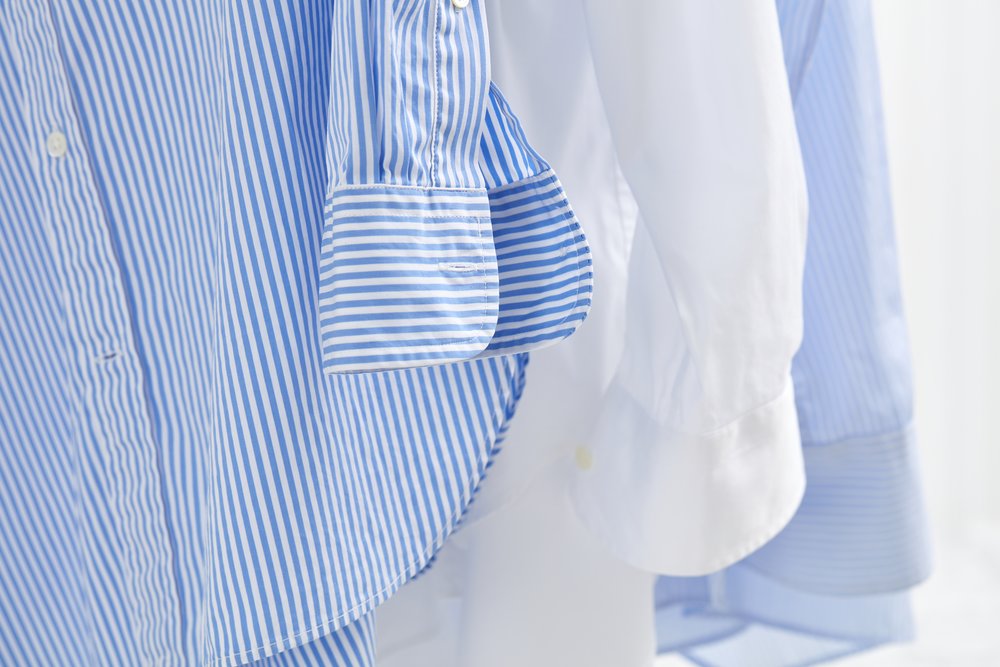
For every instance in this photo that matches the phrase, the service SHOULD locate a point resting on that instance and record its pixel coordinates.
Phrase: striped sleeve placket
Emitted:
(427, 166)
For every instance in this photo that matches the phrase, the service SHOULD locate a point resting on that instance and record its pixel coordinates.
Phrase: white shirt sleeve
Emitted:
(696, 455)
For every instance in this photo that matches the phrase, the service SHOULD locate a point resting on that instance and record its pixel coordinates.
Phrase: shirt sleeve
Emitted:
(698, 459)
(408, 267)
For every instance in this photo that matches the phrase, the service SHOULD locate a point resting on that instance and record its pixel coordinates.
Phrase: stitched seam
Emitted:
(486, 292)
(436, 111)
(431, 189)
(424, 217)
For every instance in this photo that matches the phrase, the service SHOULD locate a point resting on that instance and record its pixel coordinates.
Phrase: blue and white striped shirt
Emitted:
(212, 214)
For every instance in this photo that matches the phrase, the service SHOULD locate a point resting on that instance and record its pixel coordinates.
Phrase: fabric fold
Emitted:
(546, 277)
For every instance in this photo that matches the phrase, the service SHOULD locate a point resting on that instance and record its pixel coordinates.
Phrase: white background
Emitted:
(940, 63)
(941, 81)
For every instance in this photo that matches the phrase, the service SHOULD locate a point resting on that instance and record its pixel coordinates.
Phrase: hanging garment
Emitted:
(835, 579)
(209, 211)
(673, 131)
(695, 322)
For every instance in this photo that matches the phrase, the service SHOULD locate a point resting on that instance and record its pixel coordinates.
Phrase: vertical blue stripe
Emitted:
(180, 480)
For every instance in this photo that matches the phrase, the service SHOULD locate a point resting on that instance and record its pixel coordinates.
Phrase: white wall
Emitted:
(941, 80)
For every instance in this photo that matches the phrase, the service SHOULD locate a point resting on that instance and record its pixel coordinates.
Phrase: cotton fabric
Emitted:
(186, 474)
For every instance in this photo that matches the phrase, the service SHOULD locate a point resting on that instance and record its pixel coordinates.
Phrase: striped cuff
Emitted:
(408, 277)
(862, 526)
(546, 276)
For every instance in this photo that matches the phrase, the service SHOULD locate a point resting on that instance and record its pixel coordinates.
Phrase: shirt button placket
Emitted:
(114, 423)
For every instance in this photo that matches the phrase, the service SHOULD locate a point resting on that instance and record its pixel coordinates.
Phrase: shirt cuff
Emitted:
(546, 276)
(688, 504)
(408, 277)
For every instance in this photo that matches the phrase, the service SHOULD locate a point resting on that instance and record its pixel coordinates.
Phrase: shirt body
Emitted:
(187, 473)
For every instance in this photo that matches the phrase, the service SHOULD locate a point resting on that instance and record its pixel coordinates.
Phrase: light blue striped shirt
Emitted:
(212, 214)
(836, 579)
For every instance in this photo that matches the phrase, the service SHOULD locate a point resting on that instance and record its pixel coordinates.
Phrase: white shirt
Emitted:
(672, 128)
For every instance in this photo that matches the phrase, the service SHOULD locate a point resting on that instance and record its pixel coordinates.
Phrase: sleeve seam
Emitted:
(392, 186)
(436, 111)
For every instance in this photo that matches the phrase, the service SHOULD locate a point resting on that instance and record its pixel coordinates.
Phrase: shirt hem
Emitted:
(415, 567)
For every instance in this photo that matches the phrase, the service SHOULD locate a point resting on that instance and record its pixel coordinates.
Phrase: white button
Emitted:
(460, 4)
(584, 458)
(55, 144)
